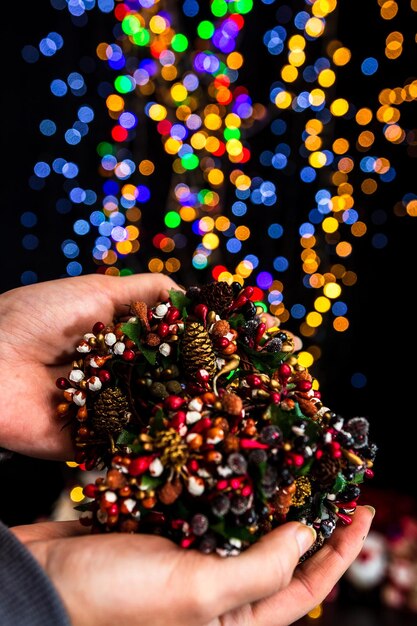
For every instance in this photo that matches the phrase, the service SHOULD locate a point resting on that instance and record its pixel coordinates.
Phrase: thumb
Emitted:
(148, 287)
(263, 569)
(49, 530)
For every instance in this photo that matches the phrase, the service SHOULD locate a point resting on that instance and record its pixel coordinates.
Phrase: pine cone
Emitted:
(217, 296)
(197, 350)
(111, 412)
(325, 470)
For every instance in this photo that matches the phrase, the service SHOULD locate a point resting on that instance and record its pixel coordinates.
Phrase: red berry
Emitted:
(128, 355)
(163, 329)
(172, 403)
(247, 292)
(104, 376)
(90, 491)
(223, 342)
(140, 465)
(304, 385)
(202, 376)
(98, 327)
(285, 370)
(201, 311)
(113, 510)
(241, 300)
(254, 380)
(173, 315)
(275, 397)
(62, 383)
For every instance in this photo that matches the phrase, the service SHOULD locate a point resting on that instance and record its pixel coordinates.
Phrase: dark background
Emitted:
(381, 342)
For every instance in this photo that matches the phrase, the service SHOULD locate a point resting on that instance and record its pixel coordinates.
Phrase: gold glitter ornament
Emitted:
(302, 491)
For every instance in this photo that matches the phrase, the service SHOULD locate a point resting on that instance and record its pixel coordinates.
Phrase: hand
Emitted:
(39, 328)
(138, 580)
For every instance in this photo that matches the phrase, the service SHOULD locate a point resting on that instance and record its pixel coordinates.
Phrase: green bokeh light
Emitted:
(219, 8)
(172, 219)
(231, 133)
(124, 84)
(179, 42)
(205, 29)
(190, 161)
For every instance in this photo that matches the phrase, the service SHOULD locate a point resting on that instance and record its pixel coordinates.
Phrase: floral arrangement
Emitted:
(211, 432)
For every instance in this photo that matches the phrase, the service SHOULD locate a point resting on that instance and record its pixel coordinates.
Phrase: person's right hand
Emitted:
(143, 580)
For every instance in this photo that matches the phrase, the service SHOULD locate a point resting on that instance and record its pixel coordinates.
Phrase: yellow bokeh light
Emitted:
(198, 141)
(212, 121)
(71, 464)
(316, 281)
(326, 78)
(296, 57)
(330, 225)
(283, 99)
(212, 144)
(211, 241)
(305, 359)
(124, 247)
(314, 319)
(315, 27)
(206, 224)
(244, 269)
(155, 265)
(76, 494)
(322, 304)
(296, 42)
(332, 290)
(289, 73)
(316, 97)
(132, 232)
(225, 277)
(313, 142)
(172, 145)
(341, 56)
(317, 159)
(157, 24)
(222, 223)
(234, 147)
(178, 92)
(243, 182)
(169, 72)
(157, 112)
(339, 107)
(215, 176)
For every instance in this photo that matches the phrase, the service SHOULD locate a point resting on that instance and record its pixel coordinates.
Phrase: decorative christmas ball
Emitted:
(207, 428)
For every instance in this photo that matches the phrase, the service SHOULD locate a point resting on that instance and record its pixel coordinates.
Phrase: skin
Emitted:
(138, 580)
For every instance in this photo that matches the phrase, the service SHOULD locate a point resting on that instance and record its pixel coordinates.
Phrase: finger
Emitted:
(316, 577)
(49, 530)
(260, 571)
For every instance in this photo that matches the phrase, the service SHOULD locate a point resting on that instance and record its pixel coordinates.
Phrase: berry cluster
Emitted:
(211, 431)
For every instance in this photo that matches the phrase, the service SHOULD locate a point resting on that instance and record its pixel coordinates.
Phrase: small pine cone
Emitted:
(325, 470)
(170, 492)
(140, 309)
(232, 404)
(217, 296)
(152, 339)
(309, 409)
(111, 412)
(197, 350)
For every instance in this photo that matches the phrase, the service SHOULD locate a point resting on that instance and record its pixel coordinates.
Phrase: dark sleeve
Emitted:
(27, 596)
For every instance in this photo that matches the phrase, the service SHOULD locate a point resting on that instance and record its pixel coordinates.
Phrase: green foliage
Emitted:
(180, 301)
(132, 330)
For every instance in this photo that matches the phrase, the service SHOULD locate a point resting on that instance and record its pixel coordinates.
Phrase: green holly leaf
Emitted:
(132, 330)
(84, 507)
(339, 484)
(148, 353)
(232, 532)
(358, 478)
(150, 482)
(126, 437)
(179, 300)
(264, 361)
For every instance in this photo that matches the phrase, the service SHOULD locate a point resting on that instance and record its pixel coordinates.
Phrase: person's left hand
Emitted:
(39, 327)
(138, 580)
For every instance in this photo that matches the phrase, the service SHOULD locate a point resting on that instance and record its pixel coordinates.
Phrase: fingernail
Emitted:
(305, 536)
(371, 509)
